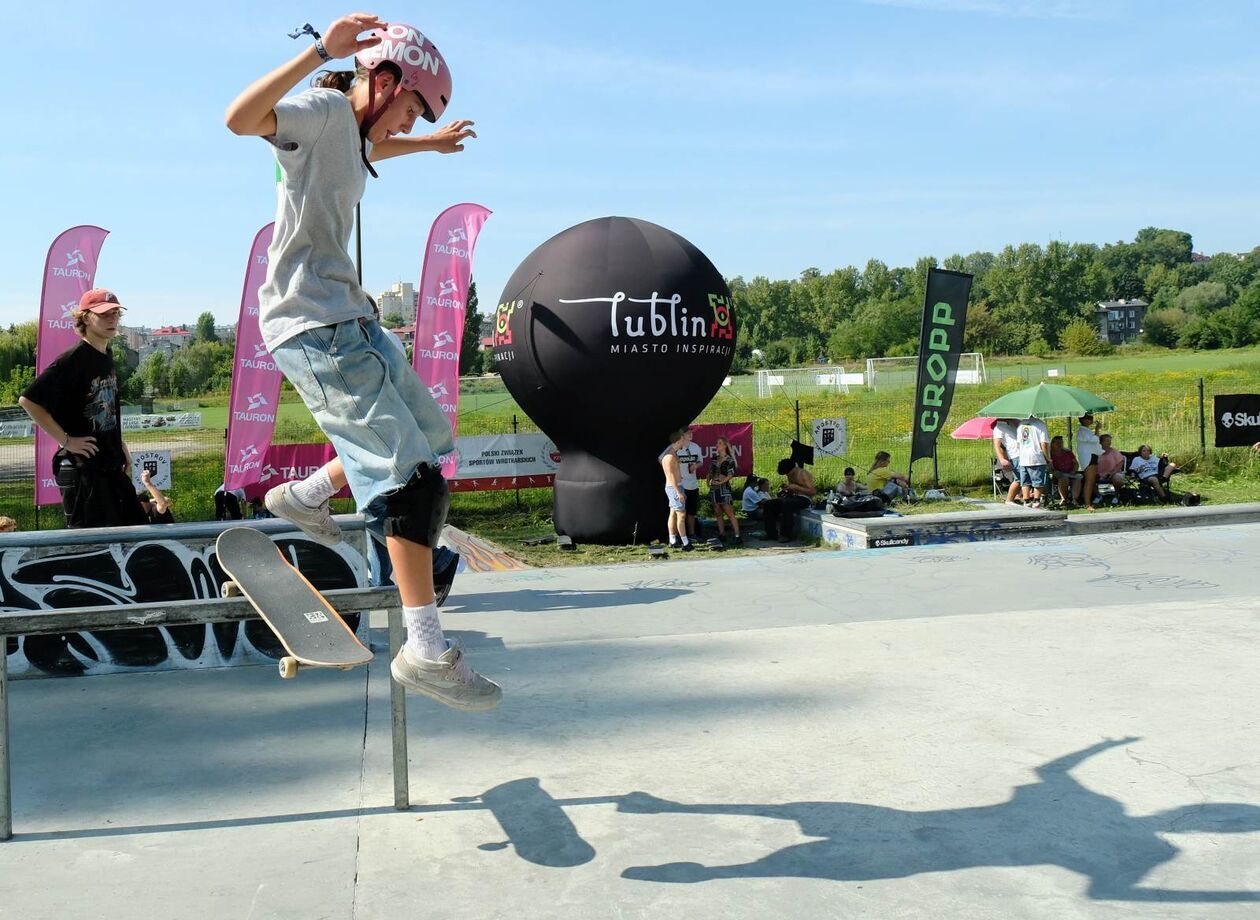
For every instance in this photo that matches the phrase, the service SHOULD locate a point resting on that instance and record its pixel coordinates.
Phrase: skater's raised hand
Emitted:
(342, 37)
(450, 138)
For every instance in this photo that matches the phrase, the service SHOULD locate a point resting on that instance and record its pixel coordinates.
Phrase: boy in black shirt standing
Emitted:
(75, 401)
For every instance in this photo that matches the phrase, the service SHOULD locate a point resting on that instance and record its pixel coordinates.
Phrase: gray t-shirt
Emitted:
(311, 279)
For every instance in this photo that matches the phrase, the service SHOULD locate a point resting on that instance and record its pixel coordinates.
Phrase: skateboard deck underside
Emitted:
(306, 625)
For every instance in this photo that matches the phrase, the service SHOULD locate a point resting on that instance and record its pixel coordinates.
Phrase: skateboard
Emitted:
(657, 551)
(311, 631)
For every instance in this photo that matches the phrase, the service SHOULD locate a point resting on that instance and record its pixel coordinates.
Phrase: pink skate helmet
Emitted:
(421, 64)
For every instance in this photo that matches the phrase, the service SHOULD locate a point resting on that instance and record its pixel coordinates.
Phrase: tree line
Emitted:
(1026, 299)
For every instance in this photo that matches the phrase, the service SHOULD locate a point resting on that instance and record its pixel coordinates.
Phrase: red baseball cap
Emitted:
(99, 300)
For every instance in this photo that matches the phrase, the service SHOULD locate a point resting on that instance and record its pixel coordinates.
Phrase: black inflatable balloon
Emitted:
(611, 335)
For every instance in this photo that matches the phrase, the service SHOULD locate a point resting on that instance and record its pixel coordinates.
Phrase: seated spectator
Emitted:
(1065, 471)
(7, 524)
(1110, 465)
(156, 506)
(1152, 470)
(756, 493)
(850, 486)
(883, 480)
(258, 511)
(794, 495)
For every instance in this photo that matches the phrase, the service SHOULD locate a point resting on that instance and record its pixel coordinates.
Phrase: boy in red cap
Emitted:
(75, 401)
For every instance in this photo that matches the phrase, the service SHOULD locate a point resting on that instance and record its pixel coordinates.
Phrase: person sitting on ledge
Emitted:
(884, 481)
(849, 486)
(794, 495)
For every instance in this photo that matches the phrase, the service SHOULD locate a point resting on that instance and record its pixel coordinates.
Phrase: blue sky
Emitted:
(773, 136)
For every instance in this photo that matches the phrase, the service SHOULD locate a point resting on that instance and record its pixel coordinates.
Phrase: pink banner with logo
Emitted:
(69, 272)
(441, 306)
(255, 380)
(739, 434)
(290, 462)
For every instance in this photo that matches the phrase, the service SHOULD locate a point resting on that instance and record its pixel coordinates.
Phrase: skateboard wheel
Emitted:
(230, 589)
(288, 668)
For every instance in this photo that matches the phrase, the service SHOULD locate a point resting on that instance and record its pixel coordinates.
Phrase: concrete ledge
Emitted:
(1002, 522)
(997, 522)
(1162, 516)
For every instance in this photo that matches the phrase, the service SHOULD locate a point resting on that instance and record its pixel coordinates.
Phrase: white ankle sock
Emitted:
(314, 490)
(685, 541)
(424, 632)
(673, 539)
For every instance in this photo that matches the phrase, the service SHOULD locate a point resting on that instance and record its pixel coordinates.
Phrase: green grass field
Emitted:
(1156, 397)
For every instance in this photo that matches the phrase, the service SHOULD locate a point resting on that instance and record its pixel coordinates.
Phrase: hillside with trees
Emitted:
(1027, 299)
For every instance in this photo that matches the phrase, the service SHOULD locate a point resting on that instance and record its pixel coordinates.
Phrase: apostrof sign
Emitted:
(1237, 419)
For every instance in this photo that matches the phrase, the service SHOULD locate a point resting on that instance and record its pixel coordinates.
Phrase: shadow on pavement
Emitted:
(1055, 822)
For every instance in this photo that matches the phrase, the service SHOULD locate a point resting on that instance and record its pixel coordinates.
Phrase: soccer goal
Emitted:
(803, 381)
(886, 373)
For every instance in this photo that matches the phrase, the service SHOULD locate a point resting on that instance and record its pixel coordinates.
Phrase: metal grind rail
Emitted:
(182, 613)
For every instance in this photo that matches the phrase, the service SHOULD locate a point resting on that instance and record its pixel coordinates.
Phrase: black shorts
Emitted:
(1093, 461)
(691, 498)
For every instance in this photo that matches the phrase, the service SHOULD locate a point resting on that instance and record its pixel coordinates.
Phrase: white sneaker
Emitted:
(316, 523)
(450, 679)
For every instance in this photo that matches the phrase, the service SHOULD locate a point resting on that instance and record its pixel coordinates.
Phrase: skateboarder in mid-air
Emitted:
(322, 329)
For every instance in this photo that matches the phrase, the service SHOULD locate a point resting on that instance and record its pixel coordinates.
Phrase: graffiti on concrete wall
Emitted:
(154, 571)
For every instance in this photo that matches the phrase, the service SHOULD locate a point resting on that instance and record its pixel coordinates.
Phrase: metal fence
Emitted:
(1170, 411)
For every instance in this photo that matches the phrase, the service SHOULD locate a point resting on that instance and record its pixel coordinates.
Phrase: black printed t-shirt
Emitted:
(80, 390)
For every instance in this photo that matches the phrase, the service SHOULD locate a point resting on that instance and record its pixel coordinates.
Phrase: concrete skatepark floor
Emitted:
(1050, 728)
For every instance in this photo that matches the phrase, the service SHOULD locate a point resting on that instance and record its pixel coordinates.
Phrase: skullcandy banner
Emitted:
(1237, 419)
(288, 462)
(255, 380)
(441, 306)
(69, 272)
(940, 343)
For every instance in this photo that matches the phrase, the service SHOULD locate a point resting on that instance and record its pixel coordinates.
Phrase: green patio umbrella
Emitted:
(1046, 400)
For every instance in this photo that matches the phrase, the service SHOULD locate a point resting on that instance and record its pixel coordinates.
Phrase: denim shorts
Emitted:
(1033, 476)
(364, 395)
(676, 501)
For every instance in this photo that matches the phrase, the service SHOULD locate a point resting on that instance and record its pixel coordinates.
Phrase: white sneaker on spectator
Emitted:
(450, 679)
(317, 523)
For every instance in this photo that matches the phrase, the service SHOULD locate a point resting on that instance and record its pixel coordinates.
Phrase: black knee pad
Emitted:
(417, 511)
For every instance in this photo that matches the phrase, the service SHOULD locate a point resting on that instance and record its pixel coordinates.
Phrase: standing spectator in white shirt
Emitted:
(1034, 459)
(689, 458)
(1006, 449)
(1088, 450)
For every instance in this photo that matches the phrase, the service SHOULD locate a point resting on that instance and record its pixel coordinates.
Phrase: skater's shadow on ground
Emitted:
(541, 600)
(1053, 822)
